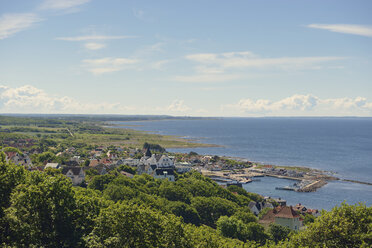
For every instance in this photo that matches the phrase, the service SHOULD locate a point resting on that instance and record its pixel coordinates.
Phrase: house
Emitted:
(183, 169)
(164, 173)
(284, 216)
(165, 162)
(18, 159)
(52, 165)
(252, 206)
(131, 161)
(14, 157)
(75, 173)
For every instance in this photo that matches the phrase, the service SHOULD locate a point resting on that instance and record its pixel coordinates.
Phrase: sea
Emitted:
(342, 146)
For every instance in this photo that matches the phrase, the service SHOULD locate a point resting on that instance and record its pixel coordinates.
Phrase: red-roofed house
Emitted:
(284, 216)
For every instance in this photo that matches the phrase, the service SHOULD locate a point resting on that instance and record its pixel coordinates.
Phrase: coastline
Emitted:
(318, 178)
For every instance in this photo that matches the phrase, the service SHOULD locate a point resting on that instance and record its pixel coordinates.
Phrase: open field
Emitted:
(74, 132)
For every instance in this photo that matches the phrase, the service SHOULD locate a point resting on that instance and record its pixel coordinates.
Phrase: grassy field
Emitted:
(74, 132)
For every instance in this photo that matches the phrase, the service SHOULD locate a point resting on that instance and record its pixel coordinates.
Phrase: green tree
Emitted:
(122, 225)
(99, 182)
(10, 176)
(263, 212)
(173, 192)
(232, 228)
(127, 168)
(278, 232)
(245, 216)
(41, 212)
(188, 213)
(308, 219)
(344, 226)
(210, 209)
(45, 157)
(117, 192)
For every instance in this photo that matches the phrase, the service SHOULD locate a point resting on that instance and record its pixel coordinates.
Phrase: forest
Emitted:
(43, 209)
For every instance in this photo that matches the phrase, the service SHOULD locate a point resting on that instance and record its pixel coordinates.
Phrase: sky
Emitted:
(186, 58)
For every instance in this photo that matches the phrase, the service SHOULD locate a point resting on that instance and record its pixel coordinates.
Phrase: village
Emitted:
(162, 165)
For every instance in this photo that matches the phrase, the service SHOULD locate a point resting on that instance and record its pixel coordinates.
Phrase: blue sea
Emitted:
(340, 145)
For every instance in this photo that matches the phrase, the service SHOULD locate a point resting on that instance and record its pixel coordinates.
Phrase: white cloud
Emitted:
(303, 105)
(105, 65)
(248, 59)
(62, 4)
(345, 28)
(14, 23)
(29, 99)
(221, 67)
(95, 37)
(178, 106)
(94, 46)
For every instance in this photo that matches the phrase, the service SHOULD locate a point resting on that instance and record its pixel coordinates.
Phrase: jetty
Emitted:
(312, 186)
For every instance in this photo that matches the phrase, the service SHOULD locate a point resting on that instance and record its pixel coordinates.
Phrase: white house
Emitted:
(284, 216)
(164, 173)
(75, 173)
(165, 162)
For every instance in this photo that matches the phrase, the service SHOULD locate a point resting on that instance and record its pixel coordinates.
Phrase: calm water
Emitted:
(340, 145)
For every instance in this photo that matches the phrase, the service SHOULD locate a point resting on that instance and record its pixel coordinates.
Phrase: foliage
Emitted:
(127, 168)
(344, 226)
(263, 212)
(278, 232)
(122, 225)
(234, 228)
(246, 216)
(308, 219)
(211, 208)
(41, 212)
(154, 147)
(42, 209)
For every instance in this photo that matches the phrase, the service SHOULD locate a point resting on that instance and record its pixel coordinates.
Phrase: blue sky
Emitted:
(199, 58)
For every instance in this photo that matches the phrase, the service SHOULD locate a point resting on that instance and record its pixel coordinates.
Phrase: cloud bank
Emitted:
(29, 99)
(302, 105)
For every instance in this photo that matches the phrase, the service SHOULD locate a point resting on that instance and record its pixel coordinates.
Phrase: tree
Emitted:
(245, 216)
(10, 176)
(86, 162)
(234, 228)
(45, 157)
(278, 232)
(308, 219)
(127, 168)
(99, 182)
(119, 192)
(231, 227)
(174, 192)
(41, 212)
(256, 232)
(210, 209)
(263, 212)
(344, 226)
(122, 225)
(188, 213)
